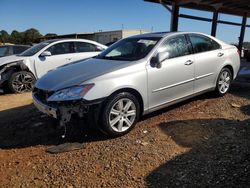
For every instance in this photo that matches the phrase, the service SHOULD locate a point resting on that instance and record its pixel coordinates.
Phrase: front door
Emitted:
(175, 78)
(61, 54)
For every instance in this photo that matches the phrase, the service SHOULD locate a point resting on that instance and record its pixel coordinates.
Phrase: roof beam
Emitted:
(209, 20)
(242, 31)
(233, 7)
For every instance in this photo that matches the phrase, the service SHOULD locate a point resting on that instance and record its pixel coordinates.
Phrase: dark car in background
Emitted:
(7, 50)
(247, 54)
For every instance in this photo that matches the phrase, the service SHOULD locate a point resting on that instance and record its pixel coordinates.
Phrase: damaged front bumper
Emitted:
(2, 77)
(63, 111)
(45, 108)
(7, 70)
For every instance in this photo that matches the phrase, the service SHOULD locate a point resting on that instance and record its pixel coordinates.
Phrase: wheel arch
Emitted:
(14, 67)
(132, 91)
(15, 72)
(230, 67)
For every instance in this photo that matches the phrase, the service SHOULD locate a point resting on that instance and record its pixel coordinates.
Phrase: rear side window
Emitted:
(87, 47)
(61, 48)
(176, 46)
(203, 44)
(19, 49)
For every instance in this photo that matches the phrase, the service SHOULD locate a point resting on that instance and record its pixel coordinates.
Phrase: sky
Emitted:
(77, 16)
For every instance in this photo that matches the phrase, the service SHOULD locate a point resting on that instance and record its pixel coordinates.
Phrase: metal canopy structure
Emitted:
(233, 7)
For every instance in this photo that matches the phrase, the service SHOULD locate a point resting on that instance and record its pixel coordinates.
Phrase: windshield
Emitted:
(34, 49)
(129, 49)
(3, 51)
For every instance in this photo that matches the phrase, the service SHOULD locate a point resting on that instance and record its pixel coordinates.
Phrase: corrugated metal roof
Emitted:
(235, 7)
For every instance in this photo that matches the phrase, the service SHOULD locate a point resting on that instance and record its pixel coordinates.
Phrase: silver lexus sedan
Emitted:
(136, 76)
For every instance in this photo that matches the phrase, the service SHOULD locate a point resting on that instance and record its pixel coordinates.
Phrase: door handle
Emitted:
(189, 62)
(220, 54)
(68, 59)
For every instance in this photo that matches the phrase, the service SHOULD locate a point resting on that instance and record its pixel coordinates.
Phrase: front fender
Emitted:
(107, 85)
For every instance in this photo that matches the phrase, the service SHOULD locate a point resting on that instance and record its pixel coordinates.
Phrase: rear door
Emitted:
(61, 53)
(86, 50)
(175, 78)
(208, 57)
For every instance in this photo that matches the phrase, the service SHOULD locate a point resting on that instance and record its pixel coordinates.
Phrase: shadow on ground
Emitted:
(240, 89)
(25, 126)
(219, 154)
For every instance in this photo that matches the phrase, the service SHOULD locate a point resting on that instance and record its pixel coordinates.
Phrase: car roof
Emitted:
(155, 34)
(8, 45)
(164, 34)
(73, 40)
(68, 39)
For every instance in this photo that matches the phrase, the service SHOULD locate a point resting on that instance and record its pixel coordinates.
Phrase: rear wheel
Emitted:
(21, 82)
(224, 82)
(121, 113)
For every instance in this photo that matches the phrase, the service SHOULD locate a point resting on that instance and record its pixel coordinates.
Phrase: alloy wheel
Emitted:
(23, 82)
(122, 115)
(224, 81)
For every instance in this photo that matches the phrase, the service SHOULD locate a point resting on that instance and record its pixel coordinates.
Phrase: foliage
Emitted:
(4, 36)
(16, 37)
(27, 37)
(246, 45)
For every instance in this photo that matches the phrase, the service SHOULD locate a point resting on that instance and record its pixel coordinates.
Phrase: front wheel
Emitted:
(21, 82)
(224, 82)
(121, 112)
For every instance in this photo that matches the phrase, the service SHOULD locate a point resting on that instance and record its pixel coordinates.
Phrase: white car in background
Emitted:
(19, 72)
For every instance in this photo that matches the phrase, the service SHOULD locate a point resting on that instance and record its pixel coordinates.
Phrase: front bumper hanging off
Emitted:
(51, 111)
(63, 111)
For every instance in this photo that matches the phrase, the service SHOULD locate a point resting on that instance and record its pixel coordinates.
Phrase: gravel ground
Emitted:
(203, 142)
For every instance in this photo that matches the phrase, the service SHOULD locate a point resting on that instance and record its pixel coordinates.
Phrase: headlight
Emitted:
(72, 93)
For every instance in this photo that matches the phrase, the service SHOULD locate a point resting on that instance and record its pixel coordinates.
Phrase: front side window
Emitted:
(130, 49)
(176, 47)
(86, 47)
(203, 44)
(61, 48)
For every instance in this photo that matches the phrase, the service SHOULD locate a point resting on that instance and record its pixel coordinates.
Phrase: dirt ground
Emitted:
(203, 142)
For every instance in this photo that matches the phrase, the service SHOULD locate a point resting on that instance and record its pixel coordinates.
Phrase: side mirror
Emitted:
(45, 54)
(158, 59)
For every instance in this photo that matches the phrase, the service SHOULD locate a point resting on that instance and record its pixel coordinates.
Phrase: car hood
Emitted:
(10, 59)
(76, 74)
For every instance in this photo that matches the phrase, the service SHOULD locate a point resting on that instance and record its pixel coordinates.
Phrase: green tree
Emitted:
(16, 37)
(4, 36)
(32, 36)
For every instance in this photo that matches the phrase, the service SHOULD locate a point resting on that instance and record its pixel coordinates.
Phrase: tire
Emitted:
(21, 82)
(224, 82)
(120, 114)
